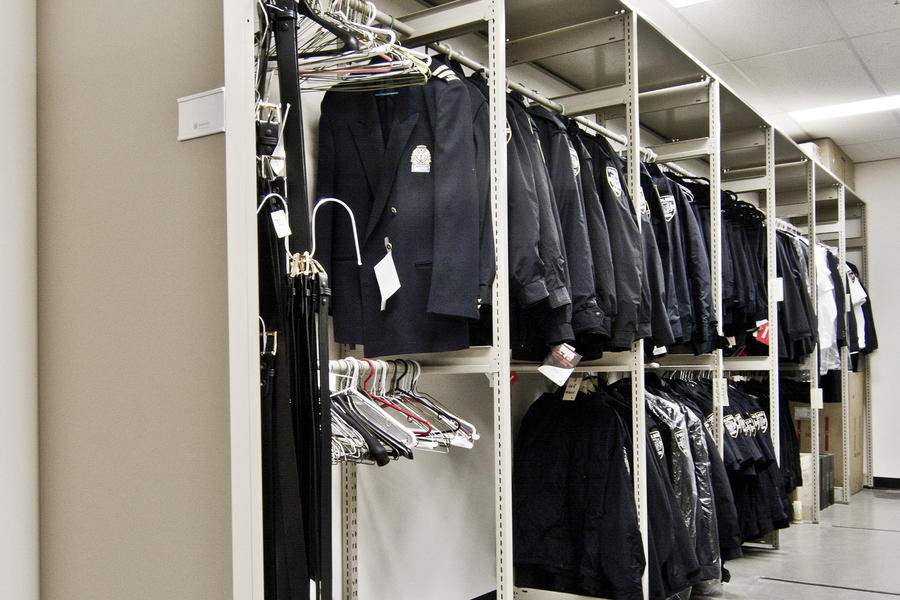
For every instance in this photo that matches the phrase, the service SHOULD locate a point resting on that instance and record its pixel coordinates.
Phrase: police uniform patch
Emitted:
(420, 160)
(612, 176)
(658, 443)
(681, 440)
(576, 164)
(730, 425)
(645, 208)
(668, 206)
(709, 421)
(762, 423)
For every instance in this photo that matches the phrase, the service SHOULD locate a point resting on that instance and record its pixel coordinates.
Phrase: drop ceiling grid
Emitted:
(770, 47)
(862, 17)
(879, 52)
(820, 75)
(744, 29)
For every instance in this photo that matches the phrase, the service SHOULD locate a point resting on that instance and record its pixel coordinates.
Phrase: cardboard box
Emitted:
(830, 154)
(857, 385)
(831, 431)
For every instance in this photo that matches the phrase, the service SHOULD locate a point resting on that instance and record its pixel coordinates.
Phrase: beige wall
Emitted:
(134, 406)
(878, 183)
(19, 574)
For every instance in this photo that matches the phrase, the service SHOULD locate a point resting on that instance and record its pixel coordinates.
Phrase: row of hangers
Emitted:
(338, 44)
(379, 414)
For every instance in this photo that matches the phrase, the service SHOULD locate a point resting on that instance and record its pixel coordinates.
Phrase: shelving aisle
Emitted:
(651, 93)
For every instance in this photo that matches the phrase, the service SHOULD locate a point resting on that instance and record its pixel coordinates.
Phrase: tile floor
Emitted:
(852, 554)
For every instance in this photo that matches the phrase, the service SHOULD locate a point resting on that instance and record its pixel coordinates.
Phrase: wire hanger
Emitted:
(352, 223)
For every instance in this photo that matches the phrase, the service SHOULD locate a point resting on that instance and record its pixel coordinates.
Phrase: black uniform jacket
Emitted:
(404, 161)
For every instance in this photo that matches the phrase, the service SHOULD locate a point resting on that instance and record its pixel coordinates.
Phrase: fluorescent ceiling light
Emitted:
(680, 3)
(848, 109)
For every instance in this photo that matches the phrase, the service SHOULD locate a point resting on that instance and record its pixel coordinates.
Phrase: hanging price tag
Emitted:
(572, 387)
(280, 222)
(386, 275)
(560, 363)
(776, 289)
(720, 386)
(761, 335)
(816, 399)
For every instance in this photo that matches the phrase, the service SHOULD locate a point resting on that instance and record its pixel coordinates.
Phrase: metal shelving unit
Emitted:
(632, 83)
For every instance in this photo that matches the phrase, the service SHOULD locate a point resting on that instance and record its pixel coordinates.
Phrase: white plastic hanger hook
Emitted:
(352, 223)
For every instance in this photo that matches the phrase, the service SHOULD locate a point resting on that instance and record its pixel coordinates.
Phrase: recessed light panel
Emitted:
(680, 3)
(848, 109)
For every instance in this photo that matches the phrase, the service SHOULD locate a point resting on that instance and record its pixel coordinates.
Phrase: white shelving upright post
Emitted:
(773, 284)
(845, 352)
(720, 397)
(866, 362)
(638, 404)
(500, 382)
(813, 361)
(243, 303)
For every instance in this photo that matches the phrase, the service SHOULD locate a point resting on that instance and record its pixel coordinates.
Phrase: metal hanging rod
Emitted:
(754, 170)
(400, 27)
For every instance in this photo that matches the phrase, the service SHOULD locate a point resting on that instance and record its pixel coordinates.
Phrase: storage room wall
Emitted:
(19, 572)
(878, 183)
(134, 401)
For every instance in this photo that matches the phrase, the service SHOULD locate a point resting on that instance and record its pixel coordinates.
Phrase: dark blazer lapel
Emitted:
(393, 154)
(366, 134)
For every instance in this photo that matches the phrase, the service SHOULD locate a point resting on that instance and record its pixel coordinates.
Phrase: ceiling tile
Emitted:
(810, 77)
(858, 129)
(870, 151)
(744, 29)
(859, 17)
(880, 51)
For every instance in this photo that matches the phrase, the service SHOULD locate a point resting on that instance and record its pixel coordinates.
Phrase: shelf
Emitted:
(611, 362)
(748, 363)
(535, 594)
(478, 359)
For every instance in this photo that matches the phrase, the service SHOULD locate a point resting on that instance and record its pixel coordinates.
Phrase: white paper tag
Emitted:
(848, 303)
(721, 388)
(572, 387)
(659, 350)
(388, 280)
(776, 289)
(802, 413)
(280, 222)
(816, 399)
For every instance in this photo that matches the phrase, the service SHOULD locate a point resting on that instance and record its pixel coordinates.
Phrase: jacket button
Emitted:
(393, 210)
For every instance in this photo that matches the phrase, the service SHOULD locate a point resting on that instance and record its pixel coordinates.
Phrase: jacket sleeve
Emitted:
(455, 269)
(697, 261)
(526, 268)
(487, 260)
(598, 234)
